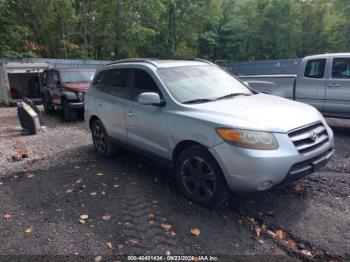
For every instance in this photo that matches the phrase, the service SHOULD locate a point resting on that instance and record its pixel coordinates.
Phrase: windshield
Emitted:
(200, 83)
(77, 76)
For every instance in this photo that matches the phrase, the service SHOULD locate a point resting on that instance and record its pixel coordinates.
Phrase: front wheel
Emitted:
(200, 178)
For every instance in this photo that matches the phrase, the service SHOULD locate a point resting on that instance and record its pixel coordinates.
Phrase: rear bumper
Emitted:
(76, 105)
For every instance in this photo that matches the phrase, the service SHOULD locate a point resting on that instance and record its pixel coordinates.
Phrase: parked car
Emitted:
(64, 89)
(323, 81)
(213, 130)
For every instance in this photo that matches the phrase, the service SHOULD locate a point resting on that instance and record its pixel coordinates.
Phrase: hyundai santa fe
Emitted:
(217, 133)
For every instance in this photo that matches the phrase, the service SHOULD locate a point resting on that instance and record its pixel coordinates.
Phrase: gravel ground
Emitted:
(49, 180)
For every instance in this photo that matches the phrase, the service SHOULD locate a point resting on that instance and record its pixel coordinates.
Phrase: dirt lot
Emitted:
(49, 180)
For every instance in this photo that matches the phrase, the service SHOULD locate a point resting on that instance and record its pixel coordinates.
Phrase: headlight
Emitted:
(248, 139)
(81, 96)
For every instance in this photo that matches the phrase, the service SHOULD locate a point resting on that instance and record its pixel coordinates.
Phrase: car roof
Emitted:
(160, 63)
(328, 55)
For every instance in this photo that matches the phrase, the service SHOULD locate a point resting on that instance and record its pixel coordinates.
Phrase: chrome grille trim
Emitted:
(309, 138)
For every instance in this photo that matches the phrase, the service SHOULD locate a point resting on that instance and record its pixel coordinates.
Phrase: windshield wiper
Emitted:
(231, 95)
(199, 100)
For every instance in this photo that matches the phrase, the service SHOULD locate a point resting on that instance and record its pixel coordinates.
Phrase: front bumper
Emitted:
(248, 170)
(76, 105)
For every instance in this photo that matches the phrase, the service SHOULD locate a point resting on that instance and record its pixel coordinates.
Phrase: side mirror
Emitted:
(150, 98)
(246, 83)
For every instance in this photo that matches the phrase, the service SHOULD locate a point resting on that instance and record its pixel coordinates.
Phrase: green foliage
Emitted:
(212, 29)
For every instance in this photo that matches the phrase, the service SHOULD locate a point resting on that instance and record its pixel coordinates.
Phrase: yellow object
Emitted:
(30, 111)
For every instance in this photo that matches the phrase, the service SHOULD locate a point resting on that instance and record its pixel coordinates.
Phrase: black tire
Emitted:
(47, 104)
(102, 143)
(67, 114)
(200, 178)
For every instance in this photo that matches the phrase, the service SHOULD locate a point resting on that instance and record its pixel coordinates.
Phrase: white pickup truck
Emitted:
(323, 81)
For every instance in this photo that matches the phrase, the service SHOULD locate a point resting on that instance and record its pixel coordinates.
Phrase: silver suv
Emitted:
(217, 133)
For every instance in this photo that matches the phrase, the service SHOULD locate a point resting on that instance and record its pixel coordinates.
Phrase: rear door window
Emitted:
(143, 82)
(341, 68)
(117, 83)
(315, 68)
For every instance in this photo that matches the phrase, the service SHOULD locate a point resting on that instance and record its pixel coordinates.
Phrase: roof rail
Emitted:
(203, 60)
(132, 60)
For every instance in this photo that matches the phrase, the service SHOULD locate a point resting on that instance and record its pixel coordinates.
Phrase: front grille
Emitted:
(308, 138)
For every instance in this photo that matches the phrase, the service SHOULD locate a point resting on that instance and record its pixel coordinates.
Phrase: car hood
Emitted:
(257, 112)
(81, 86)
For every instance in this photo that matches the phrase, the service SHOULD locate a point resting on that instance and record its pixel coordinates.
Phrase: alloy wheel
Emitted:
(198, 178)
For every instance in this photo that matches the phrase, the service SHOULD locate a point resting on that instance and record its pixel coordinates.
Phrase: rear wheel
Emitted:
(200, 178)
(102, 143)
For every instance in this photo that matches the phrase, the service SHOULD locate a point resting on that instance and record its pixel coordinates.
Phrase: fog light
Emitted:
(264, 185)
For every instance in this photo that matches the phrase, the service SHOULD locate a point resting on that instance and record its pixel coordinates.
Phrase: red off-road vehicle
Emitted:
(64, 90)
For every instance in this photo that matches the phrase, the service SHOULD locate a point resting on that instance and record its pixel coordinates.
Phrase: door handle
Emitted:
(333, 85)
(130, 113)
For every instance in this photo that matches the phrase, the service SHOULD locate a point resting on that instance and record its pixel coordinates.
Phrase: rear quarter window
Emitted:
(315, 68)
(99, 80)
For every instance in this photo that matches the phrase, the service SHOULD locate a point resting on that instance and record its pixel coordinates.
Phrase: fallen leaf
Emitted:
(103, 192)
(257, 231)
(172, 232)
(195, 231)
(106, 217)
(263, 226)
(115, 186)
(251, 219)
(98, 259)
(103, 184)
(291, 242)
(7, 216)
(93, 194)
(84, 216)
(109, 245)
(133, 241)
(261, 241)
(271, 233)
(151, 216)
(29, 229)
(298, 188)
(69, 190)
(165, 226)
(120, 247)
(78, 181)
(280, 234)
(306, 253)
(1, 183)
(167, 253)
(29, 175)
(99, 174)
(81, 221)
